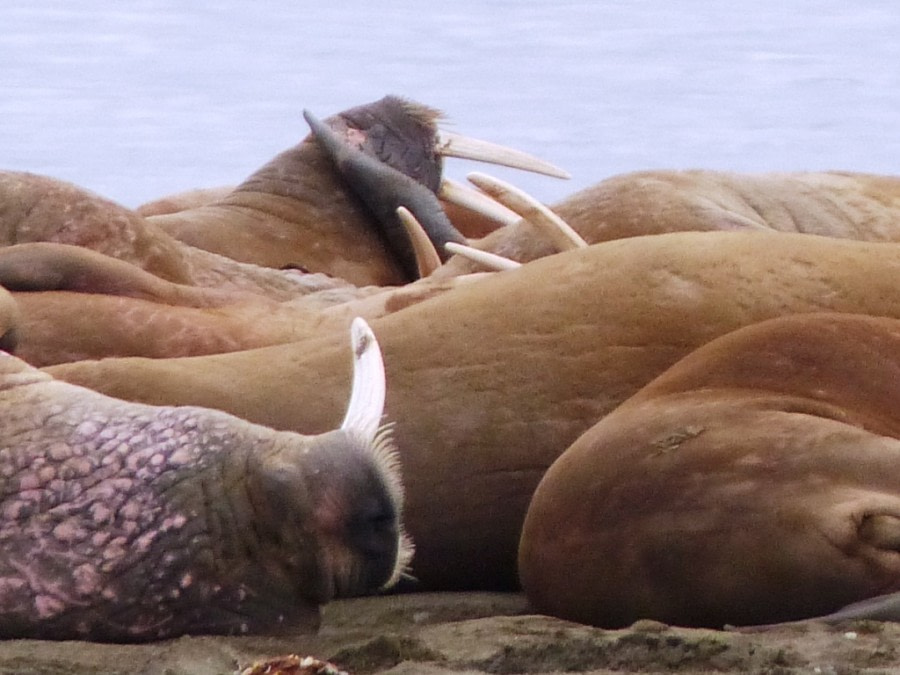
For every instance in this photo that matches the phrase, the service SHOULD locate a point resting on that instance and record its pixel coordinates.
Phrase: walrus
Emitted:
(296, 209)
(755, 481)
(295, 212)
(128, 522)
(38, 209)
(493, 380)
(832, 203)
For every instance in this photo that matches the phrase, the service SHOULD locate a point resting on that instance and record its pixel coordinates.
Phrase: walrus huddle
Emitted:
(680, 408)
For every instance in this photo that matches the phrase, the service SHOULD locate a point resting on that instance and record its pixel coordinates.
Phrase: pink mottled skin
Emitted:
(128, 522)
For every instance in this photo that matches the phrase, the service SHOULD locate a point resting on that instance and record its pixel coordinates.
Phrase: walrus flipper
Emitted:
(384, 189)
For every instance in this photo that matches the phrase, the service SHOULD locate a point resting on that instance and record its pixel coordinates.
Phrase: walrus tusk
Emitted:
(531, 209)
(475, 200)
(449, 144)
(363, 421)
(366, 406)
(427, 258)
(490, 261)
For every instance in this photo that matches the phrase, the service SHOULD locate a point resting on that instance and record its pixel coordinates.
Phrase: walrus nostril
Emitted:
(374, 533)
(374, 530)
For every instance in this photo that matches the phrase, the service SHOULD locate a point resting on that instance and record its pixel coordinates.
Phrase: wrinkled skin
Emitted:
(837, 204)
(186, 199)
(755, 481)
(126, 522)
(491, 382)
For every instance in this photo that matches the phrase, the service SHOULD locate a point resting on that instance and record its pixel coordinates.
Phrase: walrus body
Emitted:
(858, 206)
(186, 199)
(494, 380)
(128, 522)
(38, 209)
(62, 326)
(755, 481)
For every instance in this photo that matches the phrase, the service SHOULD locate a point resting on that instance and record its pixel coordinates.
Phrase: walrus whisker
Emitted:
(539, 215)
(363, 420)
(486, 259)
(450, 144)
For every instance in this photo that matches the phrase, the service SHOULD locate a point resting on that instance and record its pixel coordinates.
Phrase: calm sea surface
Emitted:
(138, 99)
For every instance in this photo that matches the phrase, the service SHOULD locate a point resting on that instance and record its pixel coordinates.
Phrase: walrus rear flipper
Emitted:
(879, 608)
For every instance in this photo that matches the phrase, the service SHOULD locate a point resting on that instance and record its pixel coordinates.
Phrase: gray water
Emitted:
(138, 99)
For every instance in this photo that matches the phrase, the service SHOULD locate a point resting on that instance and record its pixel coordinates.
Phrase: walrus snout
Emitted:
(339, 494)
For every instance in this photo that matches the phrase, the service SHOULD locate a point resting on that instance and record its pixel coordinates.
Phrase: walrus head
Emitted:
(129, 522)
(390, 154)
(342, 490)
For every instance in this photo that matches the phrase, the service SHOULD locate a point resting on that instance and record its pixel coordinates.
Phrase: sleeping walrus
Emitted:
(755, 481)
(127, 522)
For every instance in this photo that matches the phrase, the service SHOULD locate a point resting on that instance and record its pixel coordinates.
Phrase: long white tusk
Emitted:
(491, 261)
(475, 200)
(427, 259)
(367, 395)
(450, 144)
(563, 236)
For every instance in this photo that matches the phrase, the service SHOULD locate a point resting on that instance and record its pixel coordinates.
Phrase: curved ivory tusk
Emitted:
(490, 261)
(427, 259)
(475, 200)
(451, 144)
(539, 215)
(367, 396)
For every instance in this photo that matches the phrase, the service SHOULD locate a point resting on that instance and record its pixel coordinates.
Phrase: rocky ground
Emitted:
(454, 633)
